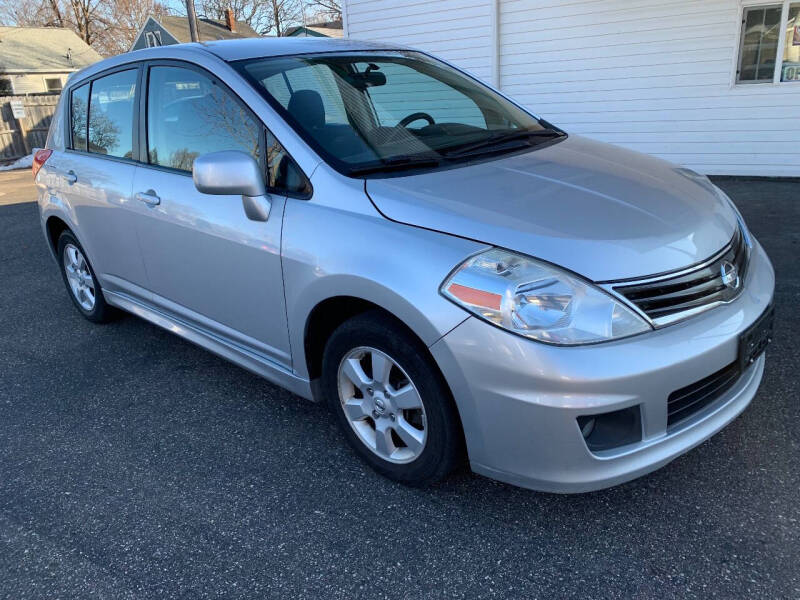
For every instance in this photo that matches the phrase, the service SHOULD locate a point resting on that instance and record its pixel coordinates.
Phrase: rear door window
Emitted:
(111, 112)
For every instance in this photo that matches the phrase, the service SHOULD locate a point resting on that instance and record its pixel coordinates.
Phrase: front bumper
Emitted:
(519, 399)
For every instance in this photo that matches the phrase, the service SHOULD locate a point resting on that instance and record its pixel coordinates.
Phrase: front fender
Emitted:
(329, 252)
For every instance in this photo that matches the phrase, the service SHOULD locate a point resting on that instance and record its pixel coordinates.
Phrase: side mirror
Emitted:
(232, 172)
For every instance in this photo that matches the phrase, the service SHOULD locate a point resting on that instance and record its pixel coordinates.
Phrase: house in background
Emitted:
(711, 85)
(175, 30)
(332, 29)
(36, 60)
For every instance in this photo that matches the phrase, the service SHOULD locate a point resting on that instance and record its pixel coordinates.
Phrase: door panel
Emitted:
(95, 186)
(206, 262)
(209, 264)
(100, 198)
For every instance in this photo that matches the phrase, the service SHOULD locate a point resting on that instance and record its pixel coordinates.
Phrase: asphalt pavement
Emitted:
(136, 465)
(16, 186)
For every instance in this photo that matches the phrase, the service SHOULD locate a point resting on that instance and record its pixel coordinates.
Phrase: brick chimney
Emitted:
(230, 22)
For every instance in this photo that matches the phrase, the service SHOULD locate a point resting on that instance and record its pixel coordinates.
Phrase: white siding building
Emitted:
(709, 84)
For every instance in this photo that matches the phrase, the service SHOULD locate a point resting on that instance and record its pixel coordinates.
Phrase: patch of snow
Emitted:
(26, 162)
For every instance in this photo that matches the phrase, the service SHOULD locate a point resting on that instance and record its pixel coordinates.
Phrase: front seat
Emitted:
(306, 108)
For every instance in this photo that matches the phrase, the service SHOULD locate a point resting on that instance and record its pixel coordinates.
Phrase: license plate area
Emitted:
(755, 339)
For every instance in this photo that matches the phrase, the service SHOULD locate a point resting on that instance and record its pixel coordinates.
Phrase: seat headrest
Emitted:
(307, 108)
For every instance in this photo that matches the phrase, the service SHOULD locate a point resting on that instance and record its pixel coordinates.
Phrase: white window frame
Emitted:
(155, 36)
(776, 75)
(47, 88)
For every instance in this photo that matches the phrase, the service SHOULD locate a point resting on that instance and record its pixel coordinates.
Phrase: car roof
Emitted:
(240, 49)
(230, 50)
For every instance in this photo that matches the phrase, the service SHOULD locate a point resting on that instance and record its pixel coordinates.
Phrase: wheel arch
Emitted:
(54, 226)
(328, 314)
(323, 320)
(56, 220)
(327, 302)
(328, 311)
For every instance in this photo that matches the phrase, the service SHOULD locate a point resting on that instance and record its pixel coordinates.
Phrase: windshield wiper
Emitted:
(500, 141)
(397, 163)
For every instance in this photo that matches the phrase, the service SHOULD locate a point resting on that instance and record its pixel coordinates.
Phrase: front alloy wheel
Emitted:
(390, 399)
(382, 405)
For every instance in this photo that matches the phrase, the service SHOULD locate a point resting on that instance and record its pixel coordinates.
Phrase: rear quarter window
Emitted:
(78, 110)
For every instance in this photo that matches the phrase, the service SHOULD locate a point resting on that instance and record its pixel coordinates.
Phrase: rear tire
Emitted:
(82, 286)
(390, 400)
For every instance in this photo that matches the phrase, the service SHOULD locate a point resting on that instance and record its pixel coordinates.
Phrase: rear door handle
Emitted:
(68, 175)
(149, 197)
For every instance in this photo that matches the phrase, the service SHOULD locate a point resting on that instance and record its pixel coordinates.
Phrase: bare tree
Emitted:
(326, 10)
(128, 18)
(109, 26)
(43, 13)
(264, 16)
(285, 13)
(88, 18)
(251, 12)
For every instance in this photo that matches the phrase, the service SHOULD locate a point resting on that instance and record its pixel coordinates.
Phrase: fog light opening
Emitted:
(610, 430)
(588, 427)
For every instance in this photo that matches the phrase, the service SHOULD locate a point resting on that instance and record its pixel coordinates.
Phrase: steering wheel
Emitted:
(415, 116)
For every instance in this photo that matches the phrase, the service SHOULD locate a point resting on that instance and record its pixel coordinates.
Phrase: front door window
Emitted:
(189, 114)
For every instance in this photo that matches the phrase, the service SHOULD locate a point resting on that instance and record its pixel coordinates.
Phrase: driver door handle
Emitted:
(149, 197)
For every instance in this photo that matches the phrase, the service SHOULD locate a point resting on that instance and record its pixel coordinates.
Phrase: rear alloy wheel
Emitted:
(82, 285)
(79, 278)
(391, 402)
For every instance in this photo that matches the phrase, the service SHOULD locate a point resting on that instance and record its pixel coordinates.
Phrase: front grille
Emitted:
(687, 401)
(665, 298)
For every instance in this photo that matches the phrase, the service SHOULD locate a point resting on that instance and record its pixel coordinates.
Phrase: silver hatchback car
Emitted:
(369, 226)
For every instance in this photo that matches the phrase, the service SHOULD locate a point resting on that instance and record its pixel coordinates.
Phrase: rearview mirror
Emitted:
(367, 80)
(232, 172)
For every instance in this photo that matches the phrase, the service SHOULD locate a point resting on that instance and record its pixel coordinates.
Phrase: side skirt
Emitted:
(235, 353)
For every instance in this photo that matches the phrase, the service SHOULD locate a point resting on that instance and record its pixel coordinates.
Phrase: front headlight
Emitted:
(539, 301)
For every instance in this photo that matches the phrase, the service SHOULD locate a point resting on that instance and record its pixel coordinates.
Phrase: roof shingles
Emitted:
(209, 30)
(43, 50)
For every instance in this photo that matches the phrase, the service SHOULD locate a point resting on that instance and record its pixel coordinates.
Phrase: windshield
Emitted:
(382, 112)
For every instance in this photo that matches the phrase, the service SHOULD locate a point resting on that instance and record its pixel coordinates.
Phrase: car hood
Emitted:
(602, 211)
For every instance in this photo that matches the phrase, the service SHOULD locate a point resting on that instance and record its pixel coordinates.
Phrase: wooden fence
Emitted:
(18, 137)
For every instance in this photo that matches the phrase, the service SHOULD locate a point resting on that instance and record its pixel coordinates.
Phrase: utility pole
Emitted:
(192, 16)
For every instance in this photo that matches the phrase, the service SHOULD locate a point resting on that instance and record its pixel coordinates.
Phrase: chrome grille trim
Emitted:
(671, 297)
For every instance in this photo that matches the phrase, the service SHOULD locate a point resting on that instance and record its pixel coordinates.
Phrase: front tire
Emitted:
(82, 286)
(392, 404)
